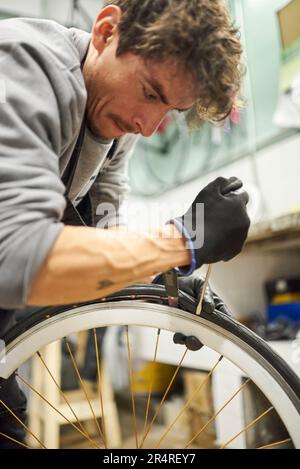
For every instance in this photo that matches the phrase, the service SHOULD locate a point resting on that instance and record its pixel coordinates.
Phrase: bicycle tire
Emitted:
(156, 295)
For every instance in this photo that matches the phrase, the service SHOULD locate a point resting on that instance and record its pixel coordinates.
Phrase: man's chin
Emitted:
(99, 134)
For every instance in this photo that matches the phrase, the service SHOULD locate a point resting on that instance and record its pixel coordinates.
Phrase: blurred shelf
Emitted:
(282, 233)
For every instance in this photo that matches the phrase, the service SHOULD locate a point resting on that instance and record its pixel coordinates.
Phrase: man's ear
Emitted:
(105, 26)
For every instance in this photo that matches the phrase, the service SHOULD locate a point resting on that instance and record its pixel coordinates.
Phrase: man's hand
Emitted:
(193, 286)
(226, 222)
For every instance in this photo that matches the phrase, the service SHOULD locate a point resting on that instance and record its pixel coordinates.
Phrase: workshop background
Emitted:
(260, 145)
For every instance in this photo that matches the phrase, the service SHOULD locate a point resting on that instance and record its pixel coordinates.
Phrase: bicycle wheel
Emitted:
(147, 306)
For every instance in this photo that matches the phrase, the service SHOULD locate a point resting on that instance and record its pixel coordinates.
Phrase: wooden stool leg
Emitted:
(52, 357)
(112, 423)
(51, 432)
(34, 402)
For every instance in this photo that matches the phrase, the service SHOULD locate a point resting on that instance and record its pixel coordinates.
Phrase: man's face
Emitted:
(127, 95)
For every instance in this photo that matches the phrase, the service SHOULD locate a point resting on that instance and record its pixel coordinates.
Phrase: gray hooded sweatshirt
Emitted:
(42, 104)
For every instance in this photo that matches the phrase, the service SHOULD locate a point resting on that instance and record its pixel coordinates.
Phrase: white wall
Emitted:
(240, 282)
(29, 7)
(272, 176)
(53, 9)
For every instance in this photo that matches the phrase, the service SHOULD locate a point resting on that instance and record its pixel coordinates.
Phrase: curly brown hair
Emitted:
(200, 35)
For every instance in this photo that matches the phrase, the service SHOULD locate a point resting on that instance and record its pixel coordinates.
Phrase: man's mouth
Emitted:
(119, 127)
(123, 127)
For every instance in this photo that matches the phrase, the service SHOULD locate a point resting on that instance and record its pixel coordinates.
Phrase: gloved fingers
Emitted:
(193, 286)
(221, 306)
(223, 309)
(216, 186)
(190, 285)
(241, 197)
(231, 185)
(208, 304)
(232, 188)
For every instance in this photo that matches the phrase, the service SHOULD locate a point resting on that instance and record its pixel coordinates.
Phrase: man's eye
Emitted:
(150, 96)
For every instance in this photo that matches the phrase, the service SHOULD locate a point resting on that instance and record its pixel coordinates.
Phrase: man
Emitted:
(74, 106)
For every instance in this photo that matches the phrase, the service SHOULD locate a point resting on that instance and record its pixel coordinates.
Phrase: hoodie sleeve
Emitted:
(31, 193)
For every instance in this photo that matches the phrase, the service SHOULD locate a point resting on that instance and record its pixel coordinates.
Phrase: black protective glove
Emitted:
(193, 286)
(226, 222)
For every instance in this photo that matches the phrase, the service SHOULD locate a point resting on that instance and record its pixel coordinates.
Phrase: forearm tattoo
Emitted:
(104, 284)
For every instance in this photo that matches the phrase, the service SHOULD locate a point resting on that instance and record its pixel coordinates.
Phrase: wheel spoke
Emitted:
(59, 412)
(272, 445)
(163, 398)
(64, 397)
(217, 413)
(247, 427)
(23, 424)
(15, 441)
(84, 388)
(100, 386)
(186, 405)
(131, 387)
(152, 380)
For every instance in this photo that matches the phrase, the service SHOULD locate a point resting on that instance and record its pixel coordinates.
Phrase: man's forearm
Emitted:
(86, 263)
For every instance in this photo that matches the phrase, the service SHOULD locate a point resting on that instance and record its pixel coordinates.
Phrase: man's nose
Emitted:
(148, 124)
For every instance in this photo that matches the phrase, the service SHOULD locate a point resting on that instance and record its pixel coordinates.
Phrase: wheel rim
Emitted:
(166, 318)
